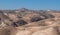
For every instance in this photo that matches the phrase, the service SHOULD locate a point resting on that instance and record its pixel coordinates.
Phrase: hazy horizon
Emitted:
(30, 4)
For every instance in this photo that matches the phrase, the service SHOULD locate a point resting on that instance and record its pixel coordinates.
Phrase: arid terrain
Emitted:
(29, 22)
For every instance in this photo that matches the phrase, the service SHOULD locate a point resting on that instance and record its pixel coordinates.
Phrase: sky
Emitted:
(30, 4)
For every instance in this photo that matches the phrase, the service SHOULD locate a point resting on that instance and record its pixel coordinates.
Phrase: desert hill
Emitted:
(29, 22)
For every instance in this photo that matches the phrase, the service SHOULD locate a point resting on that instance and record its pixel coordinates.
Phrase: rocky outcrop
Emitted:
(19, 23)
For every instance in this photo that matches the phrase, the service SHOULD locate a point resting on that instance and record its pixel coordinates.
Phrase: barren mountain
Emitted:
(29, 22)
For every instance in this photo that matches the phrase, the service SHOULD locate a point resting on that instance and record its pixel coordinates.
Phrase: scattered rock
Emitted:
(19, 23)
